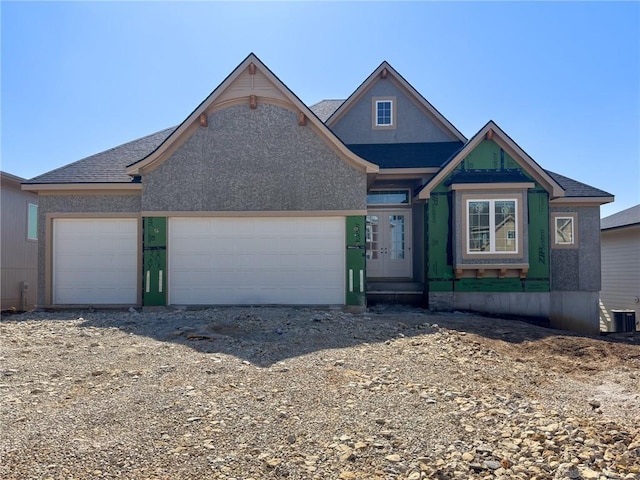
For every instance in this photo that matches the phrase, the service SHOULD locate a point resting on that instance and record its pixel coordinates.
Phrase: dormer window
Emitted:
(384, 116)
(384, 113)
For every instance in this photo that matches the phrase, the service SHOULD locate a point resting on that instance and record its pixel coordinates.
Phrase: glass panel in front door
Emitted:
(396, 234)
(373, 236)
(374, 246)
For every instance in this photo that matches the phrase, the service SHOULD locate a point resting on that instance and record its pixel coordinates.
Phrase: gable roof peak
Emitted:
(383, 72)
(279, 94)
(491, 131)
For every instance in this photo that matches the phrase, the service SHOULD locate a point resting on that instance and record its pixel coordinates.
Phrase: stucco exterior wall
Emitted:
(254, 160)
(578, 269)
(575, 274)
(413, 125)
(81, 204)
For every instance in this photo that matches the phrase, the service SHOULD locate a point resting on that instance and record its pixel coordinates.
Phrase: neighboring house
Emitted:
(620, 238)
(19, 244)
(256, 198)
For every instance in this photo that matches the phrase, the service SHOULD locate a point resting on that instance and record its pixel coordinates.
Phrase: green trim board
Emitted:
(356, 275)
(154, 260)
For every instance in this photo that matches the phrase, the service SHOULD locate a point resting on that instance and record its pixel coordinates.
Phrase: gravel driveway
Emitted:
(262, 393)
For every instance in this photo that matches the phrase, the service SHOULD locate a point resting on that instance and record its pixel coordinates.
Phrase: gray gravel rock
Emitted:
(240, 393)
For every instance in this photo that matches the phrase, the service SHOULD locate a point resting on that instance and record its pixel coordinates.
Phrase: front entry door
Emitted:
(389, 243)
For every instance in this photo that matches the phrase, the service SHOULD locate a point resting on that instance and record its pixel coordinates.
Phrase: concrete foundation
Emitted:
(509, 304)
(355, 309)
(575, 311)
(441, 301)
(529, 304)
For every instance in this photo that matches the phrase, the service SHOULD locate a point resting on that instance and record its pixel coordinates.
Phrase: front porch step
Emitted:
(395, 292)
(378, 286)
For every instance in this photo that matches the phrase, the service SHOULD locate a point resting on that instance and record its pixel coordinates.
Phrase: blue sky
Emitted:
(562, 79)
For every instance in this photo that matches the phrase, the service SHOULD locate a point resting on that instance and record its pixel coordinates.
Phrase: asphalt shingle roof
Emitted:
(110, 166)
(630, 216)
(406, 155)
(573, 188)
(105, 167)
(325, 108)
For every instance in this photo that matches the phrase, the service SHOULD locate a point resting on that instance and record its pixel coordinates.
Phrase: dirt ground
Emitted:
(251, 393)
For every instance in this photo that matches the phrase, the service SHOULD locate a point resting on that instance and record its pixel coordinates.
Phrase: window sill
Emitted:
(563, 246)
(492, 270)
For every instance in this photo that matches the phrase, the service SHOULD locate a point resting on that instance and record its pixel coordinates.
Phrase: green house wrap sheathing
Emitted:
(487, 160)
(538, 275)
(439, 242)
(154, 260)
(355, 271)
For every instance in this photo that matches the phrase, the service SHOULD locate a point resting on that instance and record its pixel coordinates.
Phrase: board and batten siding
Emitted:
(246, 84)
(620, 271)
(19, 256)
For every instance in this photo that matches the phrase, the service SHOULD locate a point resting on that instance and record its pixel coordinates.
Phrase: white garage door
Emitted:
(252, 261)
(95, 261)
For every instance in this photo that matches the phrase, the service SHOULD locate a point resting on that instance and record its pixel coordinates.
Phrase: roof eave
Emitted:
(583, 200)
(9, 177)
(619, 227)
(79, 186)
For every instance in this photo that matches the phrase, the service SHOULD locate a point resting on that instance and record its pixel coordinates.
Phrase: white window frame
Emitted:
(391, 119)
(558, 239)
(492, 227)
(376, 103)
(33, 236)
(387, 191)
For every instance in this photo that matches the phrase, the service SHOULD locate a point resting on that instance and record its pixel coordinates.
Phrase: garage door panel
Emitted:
(102, 296)
(95, 261)
(256, 261)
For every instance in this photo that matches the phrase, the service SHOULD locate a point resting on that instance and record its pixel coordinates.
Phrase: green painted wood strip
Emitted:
(356, 275)
(154, 259)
